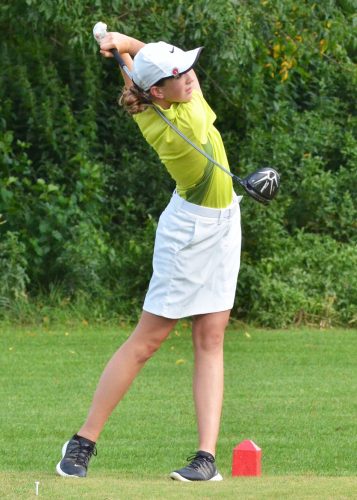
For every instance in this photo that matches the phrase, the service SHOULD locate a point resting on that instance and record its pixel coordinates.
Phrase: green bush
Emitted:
(85, 261)
(134, 268)
(310, 278)
(13, 271)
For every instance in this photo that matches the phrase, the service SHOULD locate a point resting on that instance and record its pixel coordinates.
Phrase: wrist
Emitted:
(124, 44)
(133, 45)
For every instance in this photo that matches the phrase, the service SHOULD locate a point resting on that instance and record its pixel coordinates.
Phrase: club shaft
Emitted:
(121, 63)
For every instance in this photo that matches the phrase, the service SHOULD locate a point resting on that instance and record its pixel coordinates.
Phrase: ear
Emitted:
(157, 92)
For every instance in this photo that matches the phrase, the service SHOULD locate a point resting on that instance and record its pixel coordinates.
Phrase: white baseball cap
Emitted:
(161, 60)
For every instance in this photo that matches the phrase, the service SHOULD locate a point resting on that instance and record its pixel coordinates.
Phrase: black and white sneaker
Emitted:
(76, 454)
(201, 468)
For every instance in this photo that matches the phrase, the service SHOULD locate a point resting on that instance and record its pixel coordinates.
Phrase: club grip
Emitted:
(121, 63)
(118, 58)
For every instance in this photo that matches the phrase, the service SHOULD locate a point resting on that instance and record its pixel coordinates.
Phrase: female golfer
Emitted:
(196, 254)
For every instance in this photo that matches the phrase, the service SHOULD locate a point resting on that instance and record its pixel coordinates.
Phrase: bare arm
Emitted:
(127, 47)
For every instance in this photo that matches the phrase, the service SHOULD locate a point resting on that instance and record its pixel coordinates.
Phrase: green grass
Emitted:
(292, 392)
(111, 486)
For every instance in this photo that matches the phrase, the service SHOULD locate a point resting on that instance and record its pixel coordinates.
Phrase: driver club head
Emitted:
(262, 185)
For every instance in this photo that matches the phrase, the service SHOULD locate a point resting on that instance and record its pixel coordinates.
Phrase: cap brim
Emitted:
(191, 58)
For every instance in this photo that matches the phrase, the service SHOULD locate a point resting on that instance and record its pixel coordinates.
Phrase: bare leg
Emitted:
(123, 367)
(208, 336)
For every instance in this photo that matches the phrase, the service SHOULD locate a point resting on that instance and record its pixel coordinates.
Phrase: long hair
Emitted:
(134, 100)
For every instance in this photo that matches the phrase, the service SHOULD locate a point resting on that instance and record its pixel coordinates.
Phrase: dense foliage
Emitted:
(80, 190)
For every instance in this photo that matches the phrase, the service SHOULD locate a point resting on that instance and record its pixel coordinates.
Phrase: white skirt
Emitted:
(196, 260)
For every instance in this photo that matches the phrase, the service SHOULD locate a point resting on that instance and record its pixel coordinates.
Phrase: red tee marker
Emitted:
(246, 459)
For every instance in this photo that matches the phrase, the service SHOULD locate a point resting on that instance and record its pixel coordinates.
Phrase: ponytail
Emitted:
(134, 100)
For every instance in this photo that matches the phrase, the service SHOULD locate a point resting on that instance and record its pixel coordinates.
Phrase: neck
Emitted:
(162, 103)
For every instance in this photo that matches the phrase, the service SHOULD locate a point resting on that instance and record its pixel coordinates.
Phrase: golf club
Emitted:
(262, 185)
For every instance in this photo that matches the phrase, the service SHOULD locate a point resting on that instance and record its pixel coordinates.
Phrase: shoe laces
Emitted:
(197, 460)
(82, 453)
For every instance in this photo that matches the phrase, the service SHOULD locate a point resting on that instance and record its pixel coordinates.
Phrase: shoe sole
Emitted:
(177, 477)
(58, 466)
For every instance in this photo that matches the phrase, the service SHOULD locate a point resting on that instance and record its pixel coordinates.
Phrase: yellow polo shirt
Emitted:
(197, 179)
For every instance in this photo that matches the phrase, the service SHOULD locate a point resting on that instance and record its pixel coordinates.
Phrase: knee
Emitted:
(208, 333)
(209, 340)
(145, 351)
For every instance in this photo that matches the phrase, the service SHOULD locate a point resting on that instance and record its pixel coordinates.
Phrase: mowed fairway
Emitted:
(293, 392)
